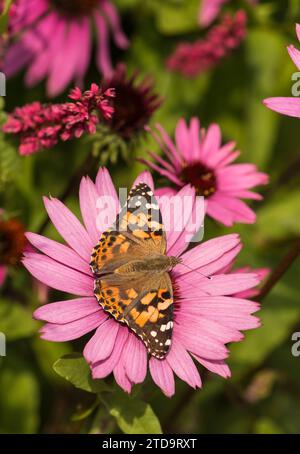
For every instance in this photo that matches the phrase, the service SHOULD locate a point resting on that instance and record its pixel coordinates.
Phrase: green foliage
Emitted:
(230, 94)
(132, 415)
(9, 157)
(75, 369)
(277, 220)
(278, 320)
(15, 320)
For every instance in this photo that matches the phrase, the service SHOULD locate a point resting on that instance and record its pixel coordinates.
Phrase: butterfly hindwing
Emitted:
(144, 304)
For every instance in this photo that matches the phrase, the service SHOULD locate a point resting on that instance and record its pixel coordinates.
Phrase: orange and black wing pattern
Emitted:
(138, 230)
(138, 299)
(144, 304)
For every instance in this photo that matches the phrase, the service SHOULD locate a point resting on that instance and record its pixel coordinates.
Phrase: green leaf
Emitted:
(16, 321)
(75, 369)
(132, 415)
(83, 413)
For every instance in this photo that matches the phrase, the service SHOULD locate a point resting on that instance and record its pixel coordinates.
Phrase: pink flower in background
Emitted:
(40, 126)
(206, 315)
(262, 273)
(289, 106)
(210, 9)
(192, 59)
(12, 244)
(53, 39)
(199, 158)
(3, 272)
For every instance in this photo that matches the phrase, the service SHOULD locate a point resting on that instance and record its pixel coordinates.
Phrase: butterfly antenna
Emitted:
(195, 271)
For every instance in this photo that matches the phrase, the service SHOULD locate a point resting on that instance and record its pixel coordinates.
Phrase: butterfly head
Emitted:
(174, 261)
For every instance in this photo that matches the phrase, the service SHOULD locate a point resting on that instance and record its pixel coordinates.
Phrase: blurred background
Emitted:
(263, 395)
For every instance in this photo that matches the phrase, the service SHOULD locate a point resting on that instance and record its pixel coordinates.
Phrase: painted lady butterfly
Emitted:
(131, 268)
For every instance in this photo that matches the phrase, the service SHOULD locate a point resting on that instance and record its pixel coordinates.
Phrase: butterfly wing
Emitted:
(137, 231)
(142, 218)
(144, 303)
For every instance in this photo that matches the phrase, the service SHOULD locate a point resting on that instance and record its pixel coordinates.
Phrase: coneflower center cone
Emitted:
(201, 177)
(75, 7)
(12, 242)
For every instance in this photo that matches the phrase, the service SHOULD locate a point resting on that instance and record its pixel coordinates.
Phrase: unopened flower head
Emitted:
(134, 104)
(12, 244)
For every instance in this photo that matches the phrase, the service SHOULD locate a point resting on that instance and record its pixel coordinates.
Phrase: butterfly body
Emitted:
(156, 264)
(131, 268)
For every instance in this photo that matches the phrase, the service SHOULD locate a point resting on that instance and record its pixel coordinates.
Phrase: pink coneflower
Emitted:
(206, 316)
(53, 38)
(41, 126)
(210, 9)
(12, 244)
(12, 241)
(192, 59)
(201, 160)
(262, 273)
(289, 106)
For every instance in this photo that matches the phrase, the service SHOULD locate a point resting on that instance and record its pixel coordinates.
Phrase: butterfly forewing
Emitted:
(138, 230)
(142, 218)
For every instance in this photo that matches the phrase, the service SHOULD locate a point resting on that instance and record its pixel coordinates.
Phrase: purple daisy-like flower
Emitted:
(199, 158)
(53, 39)
(206, 315)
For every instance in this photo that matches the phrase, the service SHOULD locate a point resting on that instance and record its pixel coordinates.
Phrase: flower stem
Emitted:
(280, 270)
(84, 169)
